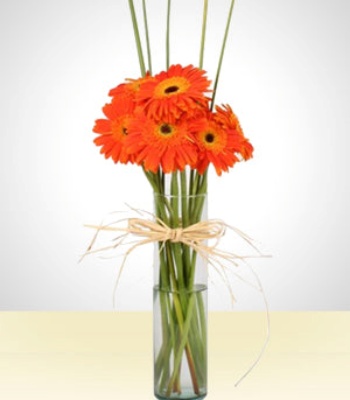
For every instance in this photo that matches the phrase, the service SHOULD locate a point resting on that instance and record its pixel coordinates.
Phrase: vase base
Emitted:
(183, 396)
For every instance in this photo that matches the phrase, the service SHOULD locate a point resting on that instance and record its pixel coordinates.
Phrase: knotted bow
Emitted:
(192, 235)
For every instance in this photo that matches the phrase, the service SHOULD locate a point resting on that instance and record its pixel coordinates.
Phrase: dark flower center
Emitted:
(166, 129)
(125, 131)
(171, 89)
(209, 137)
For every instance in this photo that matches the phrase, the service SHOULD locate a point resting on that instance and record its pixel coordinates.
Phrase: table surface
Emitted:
(108, 355)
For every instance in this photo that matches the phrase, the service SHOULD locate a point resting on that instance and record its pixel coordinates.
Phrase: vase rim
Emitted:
(180, 195)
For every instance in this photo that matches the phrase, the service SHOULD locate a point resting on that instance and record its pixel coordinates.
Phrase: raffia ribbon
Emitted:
(194, 236)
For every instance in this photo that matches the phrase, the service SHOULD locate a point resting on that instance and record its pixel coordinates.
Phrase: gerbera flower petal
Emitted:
(129, 88)
(102, 126)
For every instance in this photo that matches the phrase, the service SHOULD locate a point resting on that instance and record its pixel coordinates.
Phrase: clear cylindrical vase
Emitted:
(180, 303)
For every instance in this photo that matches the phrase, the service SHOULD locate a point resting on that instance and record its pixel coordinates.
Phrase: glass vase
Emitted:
(180, 304)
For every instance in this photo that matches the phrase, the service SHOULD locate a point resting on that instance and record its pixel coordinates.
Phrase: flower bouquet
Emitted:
(168, 124)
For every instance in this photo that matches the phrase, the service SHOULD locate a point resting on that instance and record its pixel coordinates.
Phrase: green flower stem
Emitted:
(137, 38)
(167, 345)
(174, 200)
(193, 270)
(184, 205)
(196, 183)
(174, 284)
(204, 28)
(193, 197)
(183, 344)
(167, 45)
(179, 267)
(191, 190)
(149, 57)
(177, 383)
(197, 344)
(180, 320)
(161, 180)
(162, 363)
(175, 223)
(197, 338)
(152, 179)
(185, 223)
(222, 54)
(201, 338)
(165, 371)
(164, 282)
(160, 206)
(202, 190)
(192, 193)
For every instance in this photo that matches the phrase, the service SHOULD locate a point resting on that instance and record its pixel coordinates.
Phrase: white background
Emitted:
(285, 73)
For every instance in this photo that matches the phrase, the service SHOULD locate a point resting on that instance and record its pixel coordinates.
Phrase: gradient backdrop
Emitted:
(285, 73)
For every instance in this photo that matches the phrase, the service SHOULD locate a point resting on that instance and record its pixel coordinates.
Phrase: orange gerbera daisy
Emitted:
(228, 119)
(172, 92)
(218, 145)
(130, 88)
(114, 130)
(165, 143)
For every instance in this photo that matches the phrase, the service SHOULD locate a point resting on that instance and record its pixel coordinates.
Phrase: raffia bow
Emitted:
(192, 235)
(195, 236)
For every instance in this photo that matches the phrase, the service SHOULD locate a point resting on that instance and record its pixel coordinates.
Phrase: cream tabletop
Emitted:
(108, 355)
